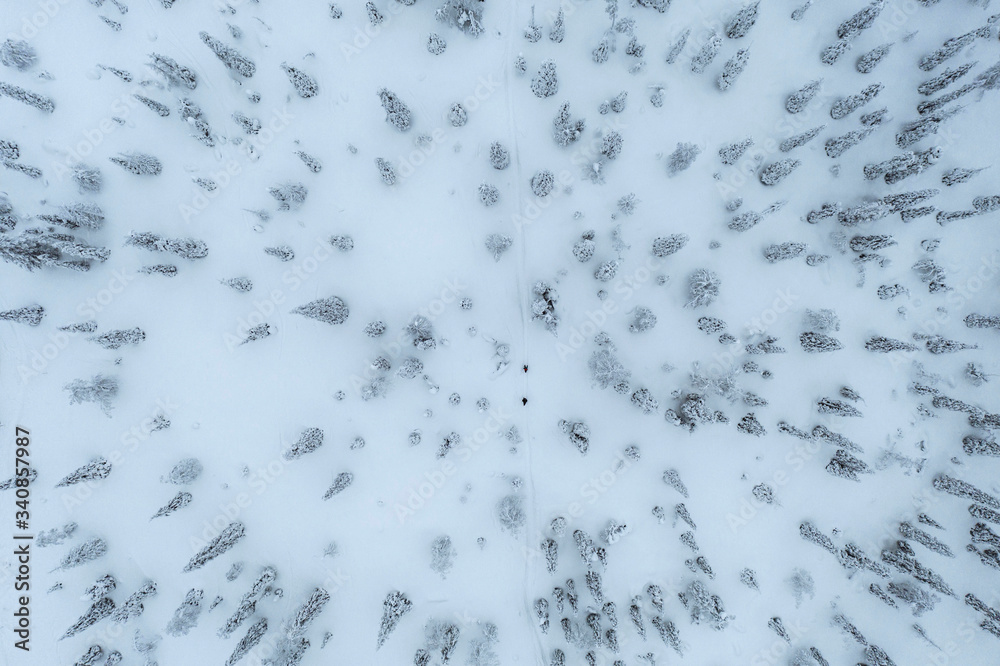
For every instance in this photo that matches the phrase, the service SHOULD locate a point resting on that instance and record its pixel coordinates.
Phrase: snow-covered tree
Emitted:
(132, 606)
(800, 139)
(88, 178)
(305, 85)
(175, 73)
(925, 126)
(733, 68)
(606, 369)
(611, 145)
(511, 514)
(421, 333)
(546, 81)
(543, 307)
(565, 130)
(310, 440)
(741, 23)
(251, 126)
(642, 320)
(385, 170)
(703, 606)
(707, 53)
(499, 156)
(731, 153)
(31, 315)
(952, 47)
(230, 57)
(40, 102)
(558, 31)
(184, 472)
(847, 466)
(867, 62)
(457, 115)
(466, 15)
(442, 555)
(158, 108)
(395, 606)
(331, 310)
(179, 501)
(944, 79)
(677, 46)
(703, 287)
(819, 342)
(397, 113)
(682, 158)
(801, 98)
(100, 389)
(861, 21)
(86, 552)
(832, 53)
(776, 172)
(95, 470)
(139, 164)
(783, 251)
(289, 195)
(75, 216)
(751, 426)
(18, 54)
(99, 610)
(229, 537)
(497, 244)
(489, 195)
(340, 483)
(844, 107)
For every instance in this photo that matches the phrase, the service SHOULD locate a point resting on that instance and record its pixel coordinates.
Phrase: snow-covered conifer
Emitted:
(18, 54)
(546, 82)
(703, 287)
(305, 85)
(682, 158)
(707, 53)
(733, 68)
(741, 23)
(778, 171)
(140, 164)
(395, 606)
(230, 57)
(867, 62)
(229, 537)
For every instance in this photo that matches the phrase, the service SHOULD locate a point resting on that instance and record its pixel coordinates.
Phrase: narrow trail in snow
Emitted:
(522, 282)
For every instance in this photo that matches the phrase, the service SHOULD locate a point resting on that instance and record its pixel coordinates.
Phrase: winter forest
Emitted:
(500, 332)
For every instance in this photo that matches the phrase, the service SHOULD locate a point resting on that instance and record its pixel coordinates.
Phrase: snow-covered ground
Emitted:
(482, 468)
